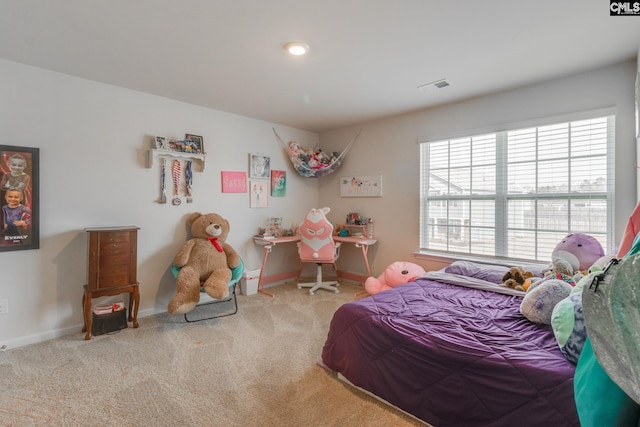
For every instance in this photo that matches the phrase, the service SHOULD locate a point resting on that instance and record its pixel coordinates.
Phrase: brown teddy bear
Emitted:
(517, 278)
(206, 259)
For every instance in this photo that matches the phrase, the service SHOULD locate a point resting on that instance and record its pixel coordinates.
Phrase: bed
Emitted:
(453, 350)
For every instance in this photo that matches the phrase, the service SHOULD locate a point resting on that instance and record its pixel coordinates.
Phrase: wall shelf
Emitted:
(154, 155)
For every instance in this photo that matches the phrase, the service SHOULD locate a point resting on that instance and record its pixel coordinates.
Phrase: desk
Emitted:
(268, 243)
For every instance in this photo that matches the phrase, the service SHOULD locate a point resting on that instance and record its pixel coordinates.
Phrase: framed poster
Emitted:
(278, 183)
(19, 193)
(259, 191)
(234, 182)
(361, 186)
(259, 166)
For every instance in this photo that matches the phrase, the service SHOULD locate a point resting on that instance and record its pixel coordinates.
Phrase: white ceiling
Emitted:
(366, 61)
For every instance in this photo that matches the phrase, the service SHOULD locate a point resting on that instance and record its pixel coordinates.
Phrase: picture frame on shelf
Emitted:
(19, 198)
(197, 143)
(259, 166)
(161, 143)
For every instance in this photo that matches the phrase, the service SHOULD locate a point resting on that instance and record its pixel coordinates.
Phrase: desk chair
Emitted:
(317, 246)
(206, 300)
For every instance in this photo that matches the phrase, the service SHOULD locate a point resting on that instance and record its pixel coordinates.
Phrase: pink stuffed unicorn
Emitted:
(396, 274)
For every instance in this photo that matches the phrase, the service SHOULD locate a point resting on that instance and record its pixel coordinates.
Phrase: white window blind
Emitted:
(517, 193)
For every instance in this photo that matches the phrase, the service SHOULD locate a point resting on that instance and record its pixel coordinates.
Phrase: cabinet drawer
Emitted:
(114, 260)
(112, 281)
(114, 236)
(109, 269)
(114, 249)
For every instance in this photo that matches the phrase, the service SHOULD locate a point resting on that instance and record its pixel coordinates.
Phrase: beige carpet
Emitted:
(256, 368)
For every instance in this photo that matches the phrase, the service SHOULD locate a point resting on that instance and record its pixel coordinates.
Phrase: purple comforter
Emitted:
(453, 356)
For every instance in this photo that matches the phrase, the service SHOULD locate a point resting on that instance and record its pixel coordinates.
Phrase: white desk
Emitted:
(268, 243)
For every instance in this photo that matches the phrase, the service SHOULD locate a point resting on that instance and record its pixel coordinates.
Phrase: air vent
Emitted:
(438, 84)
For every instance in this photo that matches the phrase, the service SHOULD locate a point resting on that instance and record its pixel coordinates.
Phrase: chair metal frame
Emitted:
(236, 275)
(232, 297)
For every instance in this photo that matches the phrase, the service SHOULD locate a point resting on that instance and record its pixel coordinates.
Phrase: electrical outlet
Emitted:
(4, 306)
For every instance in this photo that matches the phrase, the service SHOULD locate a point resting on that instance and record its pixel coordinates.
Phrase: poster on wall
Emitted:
(259, 166)
(19, 194)
(259, 191)
(233, 182)
(361, 186)
(278, 183)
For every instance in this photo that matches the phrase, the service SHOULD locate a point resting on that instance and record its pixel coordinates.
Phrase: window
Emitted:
(517, 193)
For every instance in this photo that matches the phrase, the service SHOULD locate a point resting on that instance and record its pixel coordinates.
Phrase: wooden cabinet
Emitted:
(112, 269)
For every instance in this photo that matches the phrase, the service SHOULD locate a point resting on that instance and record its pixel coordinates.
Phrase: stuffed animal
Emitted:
(539, 302)
(394, 275)
(206, 258)
(580, 250)
(517, 278)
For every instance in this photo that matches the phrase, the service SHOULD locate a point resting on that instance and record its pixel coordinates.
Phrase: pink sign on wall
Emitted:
(234, 182)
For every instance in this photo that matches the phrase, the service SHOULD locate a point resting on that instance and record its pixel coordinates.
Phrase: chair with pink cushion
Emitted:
(317, 246)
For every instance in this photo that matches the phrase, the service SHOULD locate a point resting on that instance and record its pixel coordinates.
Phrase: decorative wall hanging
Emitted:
(278, 183)
(20, 192)
(316, 162)
(176, 171)
(233, 182)
(259, 191)
(188, 181)
(259, 166)
(361, 186)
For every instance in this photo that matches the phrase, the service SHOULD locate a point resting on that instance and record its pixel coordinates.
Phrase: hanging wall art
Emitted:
(19, 193)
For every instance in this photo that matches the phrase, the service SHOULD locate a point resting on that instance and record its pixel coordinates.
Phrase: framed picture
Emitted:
(259, 192)
(259, 166)
(19, 192)
(193, 143)
(233, 182)
(361, 186)
(161, 143)
(278, 183)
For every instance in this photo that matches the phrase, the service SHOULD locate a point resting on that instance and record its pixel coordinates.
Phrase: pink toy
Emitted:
(396, 274)
(581, 250)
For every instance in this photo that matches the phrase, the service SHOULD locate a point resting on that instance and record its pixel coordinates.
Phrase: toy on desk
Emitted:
(204, 258)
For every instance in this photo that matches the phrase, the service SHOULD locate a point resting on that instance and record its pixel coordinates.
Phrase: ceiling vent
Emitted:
(438, 84)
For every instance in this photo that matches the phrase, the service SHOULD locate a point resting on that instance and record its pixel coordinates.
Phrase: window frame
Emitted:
(501, 196)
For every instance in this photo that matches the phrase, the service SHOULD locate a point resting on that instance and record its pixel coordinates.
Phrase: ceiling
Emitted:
(367, 57)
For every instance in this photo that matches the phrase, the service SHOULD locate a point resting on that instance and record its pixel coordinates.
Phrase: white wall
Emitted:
(390, 148)
(92, 139)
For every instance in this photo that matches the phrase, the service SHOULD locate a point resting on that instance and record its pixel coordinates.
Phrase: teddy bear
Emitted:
(394, 275)
(205, 258)
(517, 278)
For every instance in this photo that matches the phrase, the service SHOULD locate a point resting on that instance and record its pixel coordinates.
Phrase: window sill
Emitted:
(449, 258)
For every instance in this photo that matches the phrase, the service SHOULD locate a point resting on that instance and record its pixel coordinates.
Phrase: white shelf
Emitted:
(154, 155)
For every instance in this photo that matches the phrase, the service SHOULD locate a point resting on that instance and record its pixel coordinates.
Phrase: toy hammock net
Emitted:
(314, 163)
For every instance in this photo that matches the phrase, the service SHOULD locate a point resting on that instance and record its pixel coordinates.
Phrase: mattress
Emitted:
(453, 356)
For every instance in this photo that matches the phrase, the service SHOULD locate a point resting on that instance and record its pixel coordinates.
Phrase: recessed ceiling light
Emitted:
(296, 48)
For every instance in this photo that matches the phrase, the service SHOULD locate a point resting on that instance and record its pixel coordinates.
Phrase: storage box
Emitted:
(109, 322)
(249, 282)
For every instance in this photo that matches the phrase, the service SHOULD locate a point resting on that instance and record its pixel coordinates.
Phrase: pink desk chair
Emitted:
(317, 246)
